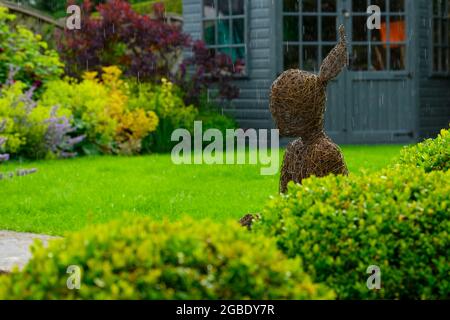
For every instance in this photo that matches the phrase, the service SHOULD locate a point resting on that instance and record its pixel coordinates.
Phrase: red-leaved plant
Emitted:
(146, 48)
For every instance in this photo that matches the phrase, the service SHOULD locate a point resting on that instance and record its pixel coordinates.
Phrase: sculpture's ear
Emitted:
(336, 60)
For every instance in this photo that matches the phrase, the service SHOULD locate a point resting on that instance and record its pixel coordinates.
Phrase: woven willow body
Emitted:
(297, 104)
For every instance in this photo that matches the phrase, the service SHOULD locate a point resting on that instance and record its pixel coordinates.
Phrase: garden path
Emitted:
(15, 248)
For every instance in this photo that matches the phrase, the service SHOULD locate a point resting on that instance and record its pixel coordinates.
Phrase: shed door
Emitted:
(371, 102)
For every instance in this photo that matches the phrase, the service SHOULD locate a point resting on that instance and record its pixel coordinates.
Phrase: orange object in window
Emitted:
(397, 33)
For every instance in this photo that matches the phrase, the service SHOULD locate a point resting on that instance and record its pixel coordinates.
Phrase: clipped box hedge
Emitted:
(141, 259)
(431, 155)
(397, 219)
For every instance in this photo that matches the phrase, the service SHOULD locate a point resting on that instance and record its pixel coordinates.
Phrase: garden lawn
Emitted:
(67, 195)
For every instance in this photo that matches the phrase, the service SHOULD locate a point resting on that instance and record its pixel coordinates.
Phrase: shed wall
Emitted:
(434, 92)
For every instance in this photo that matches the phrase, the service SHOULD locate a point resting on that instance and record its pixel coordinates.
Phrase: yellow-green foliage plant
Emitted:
(168, 104)
(431, 155)
(25, 124)
(166, 101)
(24, 51)
(397, 219)
(143, 259)
(101, 109)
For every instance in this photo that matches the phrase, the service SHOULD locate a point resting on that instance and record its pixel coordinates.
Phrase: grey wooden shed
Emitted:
(395, 90)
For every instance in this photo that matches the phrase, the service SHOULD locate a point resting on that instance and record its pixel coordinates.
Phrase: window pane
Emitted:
(329, 28)
(238, 54)
(310, 29)
(379, 61)
(224, 32)
(209, 32)
(398, 58)
(448, 60)
(359, 58)
(436, 51)
(310, 62)
(328, 5)
(359, 29)
(291, 5)
(397, 6)
(445, 62)
(238, 31)
(291, 57)
(325, 51)
(381, 35)
(309, 5)
(436, 28)
(436, 7)
(360, 5)
(237, 7)
(444, 32)
(448, 31)
(226, 51)
(398, 29)
(224, 9)
(208, 9)
(380, 3)
(290, 28)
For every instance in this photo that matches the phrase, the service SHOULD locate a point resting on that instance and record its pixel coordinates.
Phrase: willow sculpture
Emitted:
(297, 104)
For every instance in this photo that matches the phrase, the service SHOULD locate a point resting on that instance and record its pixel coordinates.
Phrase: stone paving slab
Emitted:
(15, 248)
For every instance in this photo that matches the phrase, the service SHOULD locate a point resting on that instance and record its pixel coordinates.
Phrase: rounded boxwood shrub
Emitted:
(431, 155)
(141, 259)
(397, 219)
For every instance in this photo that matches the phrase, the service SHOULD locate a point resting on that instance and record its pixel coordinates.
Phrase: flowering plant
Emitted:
(31, 129)
(3, 156)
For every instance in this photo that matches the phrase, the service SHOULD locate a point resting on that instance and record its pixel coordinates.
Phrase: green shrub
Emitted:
(213, 118)
(397, 219)
(33, 130)
(21, 49)
(431, 155)
(166, 100)
(102, 111)
(141, 259)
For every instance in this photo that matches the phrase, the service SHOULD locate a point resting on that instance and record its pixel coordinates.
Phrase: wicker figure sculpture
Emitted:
(297, 104)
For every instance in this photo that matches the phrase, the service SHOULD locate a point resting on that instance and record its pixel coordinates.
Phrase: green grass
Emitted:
(67, 195)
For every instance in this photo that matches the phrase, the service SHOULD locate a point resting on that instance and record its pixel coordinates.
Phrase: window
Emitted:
(309, 32)
(383, 49)
(224, 29)
(441, 36)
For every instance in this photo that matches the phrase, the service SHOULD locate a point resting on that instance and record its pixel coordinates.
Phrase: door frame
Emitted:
(344, 80)
(407, 76)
